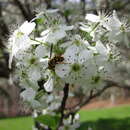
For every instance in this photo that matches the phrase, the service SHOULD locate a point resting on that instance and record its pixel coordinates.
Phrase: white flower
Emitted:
(85, 27)
(49, 11)
(42, 51)
(44, 62)
(27, 27)
(54, 106)
(79, 59)
(44, 112)
(34, 74)
(118, 30)
(26, 59)
(28, 94)
(95, 32)
(20, 41)
(92, 18)
(49, 84)
(77, 116)
(35, 104)
(101, 57)
(35, 114)
(101, 18)
(101, 49)
(113, 23)
(53, 35)
(74, 70)
(43, 54)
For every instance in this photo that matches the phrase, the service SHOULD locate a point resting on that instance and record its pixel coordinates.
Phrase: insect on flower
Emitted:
(55, 60)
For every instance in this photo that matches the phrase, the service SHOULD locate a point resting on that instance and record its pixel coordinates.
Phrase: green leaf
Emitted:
(40, 21)
(67, 12)
(86, 36)
(49, 120)
(39, 94)
(58, 50)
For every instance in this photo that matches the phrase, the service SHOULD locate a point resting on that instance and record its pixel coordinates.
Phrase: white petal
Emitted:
(92, 18)
(71, 54)
(52, 10)
(116, 18)
(28, 94)
(66, 44)
(10, 60)
(77, 116)
(45, 32)
(41, 51)
(18, 45)
(44, 62)
(62, 70)
(85, 29)
(53, 37)
(49, 85)
(101, 48)
(27, 27)
(66, 28)
(59, 34)
(86, 43)
(35, 104)
(85, 55)
(113, 23)
(34, 74)
(32, 42)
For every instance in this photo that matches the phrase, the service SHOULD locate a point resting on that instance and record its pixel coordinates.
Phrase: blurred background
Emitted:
(14, 12)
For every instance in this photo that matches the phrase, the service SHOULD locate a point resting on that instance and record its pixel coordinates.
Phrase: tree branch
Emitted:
(83, 2)
(4, 28)
(92, 95)
(48, 3)
(63, 104)
(27, 15)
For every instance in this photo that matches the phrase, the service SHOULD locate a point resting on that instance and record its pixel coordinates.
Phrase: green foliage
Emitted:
(58, 50)
(49, 120)
(39, 94)
(67, 12)
(40, 21)
(86, 35)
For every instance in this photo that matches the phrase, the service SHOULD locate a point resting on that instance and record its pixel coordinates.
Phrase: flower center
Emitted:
(76, 67)
(122, 28)
(32, 60)
(95, 79)
(19, 34)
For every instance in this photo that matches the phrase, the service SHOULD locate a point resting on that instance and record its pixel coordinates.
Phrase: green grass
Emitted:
(23, 123)
(117, 118)
(96, 114)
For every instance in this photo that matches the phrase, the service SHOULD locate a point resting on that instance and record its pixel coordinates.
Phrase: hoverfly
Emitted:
(55, 60)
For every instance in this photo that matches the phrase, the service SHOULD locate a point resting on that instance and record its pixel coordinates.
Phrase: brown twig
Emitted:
(63, 104)
(83, 2)
(92, 95)
(48, 3)
(27, 15)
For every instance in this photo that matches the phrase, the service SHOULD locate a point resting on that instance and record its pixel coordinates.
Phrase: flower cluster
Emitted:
(79, 56)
